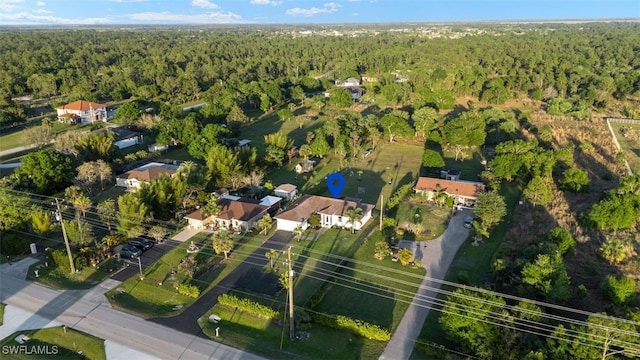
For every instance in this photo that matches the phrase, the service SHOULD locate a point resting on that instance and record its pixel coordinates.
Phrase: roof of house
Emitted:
(81, 105)
(270, 200)
(463, 188)
(149, 172)
(286, 188)
(242, 209)
(196, 215)
(307, 205)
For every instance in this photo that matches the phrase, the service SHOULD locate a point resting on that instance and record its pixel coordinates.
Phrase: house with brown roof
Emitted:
(463, 192)
(236, 214)
(82, 111)
(133, 179)
(332, 212)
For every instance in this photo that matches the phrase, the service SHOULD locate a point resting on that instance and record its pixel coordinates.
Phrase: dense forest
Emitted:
(571, 240)
(578, 66)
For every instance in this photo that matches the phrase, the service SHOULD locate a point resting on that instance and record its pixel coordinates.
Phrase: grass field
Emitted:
(270, 338)
(470, 266)
(148, 298)
(57, 343)
(628, 136)
(376, 291)
(11, 139)
(61, 279)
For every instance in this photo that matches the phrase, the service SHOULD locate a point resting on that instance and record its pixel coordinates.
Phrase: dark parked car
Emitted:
(468, 222)
(127, 251)
(141, 244)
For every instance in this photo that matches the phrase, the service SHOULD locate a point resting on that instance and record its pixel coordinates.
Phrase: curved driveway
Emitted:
(436, 256)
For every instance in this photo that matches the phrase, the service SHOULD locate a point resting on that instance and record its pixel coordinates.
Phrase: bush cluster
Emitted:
(248, 306)
(189, 290)
(59, 258)
(13, 245)
(358, 327)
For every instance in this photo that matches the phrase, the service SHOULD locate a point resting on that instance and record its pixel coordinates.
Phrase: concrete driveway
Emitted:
(436, 256)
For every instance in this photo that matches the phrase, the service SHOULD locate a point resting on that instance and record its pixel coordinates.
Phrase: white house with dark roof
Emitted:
(332, 212)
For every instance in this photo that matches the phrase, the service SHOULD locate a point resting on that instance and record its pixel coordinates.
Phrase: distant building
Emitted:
(81, 111)
(453, 175)
(306, 166)
(236, 214)
(126, 138)
(133, 179)
(349, 82)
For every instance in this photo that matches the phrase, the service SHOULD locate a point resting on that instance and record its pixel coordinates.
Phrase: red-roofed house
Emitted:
(462, 192)
(333, 212)
(82, 111)
(133, 179)
(237, 215)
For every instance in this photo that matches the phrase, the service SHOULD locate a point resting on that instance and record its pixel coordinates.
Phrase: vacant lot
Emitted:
(628, 136)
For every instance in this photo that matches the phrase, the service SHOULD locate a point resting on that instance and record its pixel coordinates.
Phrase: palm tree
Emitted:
(265, 223)
(107, 211)
(186, 169)
(298, 231)
(82, 203)
(354, 215)
(271, 255)
(614, 251)
(222, 243)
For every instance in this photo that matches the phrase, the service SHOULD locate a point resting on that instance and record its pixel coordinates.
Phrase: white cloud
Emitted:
(41, 3)
(42, 11)
(205, 4)
(128, 1)
(265, 2)
(217, 17)
(25, 18)
(327, 8)
(9, 5)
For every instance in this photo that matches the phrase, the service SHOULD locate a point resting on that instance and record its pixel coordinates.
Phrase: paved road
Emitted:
(187, 321)
(436, 256)
(88, 311)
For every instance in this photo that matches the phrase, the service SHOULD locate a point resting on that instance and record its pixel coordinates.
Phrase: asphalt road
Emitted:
(88, 311)
(436, 256)
(146, 259)
(187, 321)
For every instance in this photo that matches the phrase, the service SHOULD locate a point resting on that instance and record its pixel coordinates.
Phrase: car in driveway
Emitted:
(141, 244)
(127, 251)
(468, 221)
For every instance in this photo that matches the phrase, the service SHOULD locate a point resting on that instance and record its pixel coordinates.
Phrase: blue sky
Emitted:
(54, 12)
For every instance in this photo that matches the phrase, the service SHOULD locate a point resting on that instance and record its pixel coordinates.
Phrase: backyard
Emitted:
(59, 278)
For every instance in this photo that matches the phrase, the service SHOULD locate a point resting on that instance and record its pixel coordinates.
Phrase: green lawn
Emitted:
(471, 265)
(388, 288)
(56, 343)
(61, 279)
(13, 139)
(269, 338)
(426, 220)
(155, 294)
(628, 136)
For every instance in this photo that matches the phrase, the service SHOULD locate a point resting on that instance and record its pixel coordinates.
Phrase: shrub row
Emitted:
(400, 194)
(358, 327)
(189, 290)
(248, 306)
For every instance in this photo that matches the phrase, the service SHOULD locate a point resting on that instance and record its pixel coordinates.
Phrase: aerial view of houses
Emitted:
(171, 189)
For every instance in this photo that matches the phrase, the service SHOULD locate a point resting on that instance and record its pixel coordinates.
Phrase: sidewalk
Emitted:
(436, 256)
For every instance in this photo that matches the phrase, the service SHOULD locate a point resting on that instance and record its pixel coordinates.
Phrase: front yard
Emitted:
(156, 294)
(58, 278)
(54, 343)
(421, 220)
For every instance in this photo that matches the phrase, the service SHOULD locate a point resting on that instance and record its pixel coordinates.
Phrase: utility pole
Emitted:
(66, 239)
(140, 267)
(381, 210)
(291, 323)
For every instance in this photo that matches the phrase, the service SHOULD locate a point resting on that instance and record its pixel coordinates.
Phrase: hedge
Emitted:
(189, 290)
(248, 306)
(358, 327)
